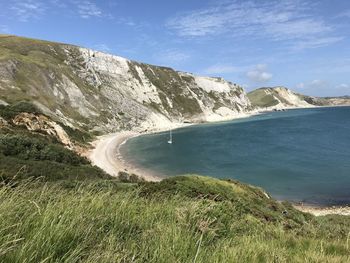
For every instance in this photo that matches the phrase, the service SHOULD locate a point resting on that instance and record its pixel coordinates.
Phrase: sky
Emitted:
(300, 44)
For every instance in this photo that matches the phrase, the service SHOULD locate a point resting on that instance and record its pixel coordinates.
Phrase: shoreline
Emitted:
(106, 155)
(106, 149)
(323, 210)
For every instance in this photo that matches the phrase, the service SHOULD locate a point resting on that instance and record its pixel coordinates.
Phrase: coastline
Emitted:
(106, 149)
(106, 155)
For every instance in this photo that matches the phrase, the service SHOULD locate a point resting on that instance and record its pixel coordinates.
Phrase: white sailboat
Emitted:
(170, 141)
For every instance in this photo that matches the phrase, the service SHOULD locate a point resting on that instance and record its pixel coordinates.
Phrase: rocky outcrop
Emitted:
(41, 123)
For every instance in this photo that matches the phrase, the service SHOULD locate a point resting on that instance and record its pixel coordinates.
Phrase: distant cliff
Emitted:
(97, 91)
(284, 98)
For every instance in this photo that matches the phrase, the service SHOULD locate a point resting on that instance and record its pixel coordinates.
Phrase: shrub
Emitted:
(10, 111)
(129, 178)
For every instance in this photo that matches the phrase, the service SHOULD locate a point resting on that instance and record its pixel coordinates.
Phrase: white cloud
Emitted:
(4, 29)
(221, 69)
(315, 42)
(172, 56)
(25, 10)
(58, 3)
(345, 14)
(259, 74)
(318, 84)
(275, 20)
(300, 85)
(320, 87)
(103, 48)
(343, 86)
(88, 9)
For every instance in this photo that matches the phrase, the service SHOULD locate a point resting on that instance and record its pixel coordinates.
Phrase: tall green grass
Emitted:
(108, 221)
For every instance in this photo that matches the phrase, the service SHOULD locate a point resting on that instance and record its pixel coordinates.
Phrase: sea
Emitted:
(299, 155)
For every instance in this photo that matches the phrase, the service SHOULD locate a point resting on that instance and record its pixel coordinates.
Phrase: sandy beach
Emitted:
(106, 155)
(322, 211)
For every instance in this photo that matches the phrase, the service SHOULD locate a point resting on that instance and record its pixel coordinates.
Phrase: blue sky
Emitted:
(303, 45)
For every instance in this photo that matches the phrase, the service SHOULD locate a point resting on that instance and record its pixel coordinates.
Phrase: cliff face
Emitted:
(97, 91)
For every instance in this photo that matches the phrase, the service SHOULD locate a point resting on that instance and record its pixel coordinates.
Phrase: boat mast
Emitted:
(170, 137)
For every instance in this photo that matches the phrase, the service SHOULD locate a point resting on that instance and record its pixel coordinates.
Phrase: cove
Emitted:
(300, 155)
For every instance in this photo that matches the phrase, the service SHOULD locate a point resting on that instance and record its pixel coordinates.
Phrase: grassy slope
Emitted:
(25, 154)
(182, 219)
(259, 98)
(39, 65)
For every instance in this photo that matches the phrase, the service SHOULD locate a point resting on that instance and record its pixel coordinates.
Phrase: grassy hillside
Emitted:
(182, 219)
(26, 154)
(102, 92)
(260, 98)
(283, 97)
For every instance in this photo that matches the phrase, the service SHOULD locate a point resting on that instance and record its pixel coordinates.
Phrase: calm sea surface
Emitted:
(296, 155)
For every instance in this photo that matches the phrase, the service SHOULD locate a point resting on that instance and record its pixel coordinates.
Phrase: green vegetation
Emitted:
(25, 154)
(80, 136)
(260, 98)
(182, 219)
(10, 111)
(169, 82)
(33, 67)
(23, 157)
(27, 148)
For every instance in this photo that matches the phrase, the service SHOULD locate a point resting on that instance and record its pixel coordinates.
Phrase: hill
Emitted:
(284, 98)
(95, 91)
(181, 219)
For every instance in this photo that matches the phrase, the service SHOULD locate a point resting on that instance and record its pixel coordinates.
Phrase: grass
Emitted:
(10, 111)
(260, 99)
(106, 221)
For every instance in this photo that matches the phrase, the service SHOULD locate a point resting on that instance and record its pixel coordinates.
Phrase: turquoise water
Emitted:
(296, 155)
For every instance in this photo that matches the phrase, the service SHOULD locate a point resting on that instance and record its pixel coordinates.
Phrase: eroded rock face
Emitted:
(40, 123)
